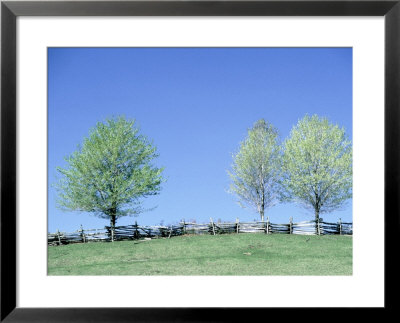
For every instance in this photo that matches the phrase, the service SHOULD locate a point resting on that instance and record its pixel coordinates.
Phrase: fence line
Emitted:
(136, 232)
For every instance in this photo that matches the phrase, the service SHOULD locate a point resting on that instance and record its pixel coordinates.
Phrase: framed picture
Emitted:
(178, 42)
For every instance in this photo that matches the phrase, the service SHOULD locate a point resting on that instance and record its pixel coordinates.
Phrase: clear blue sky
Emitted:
(196, 104)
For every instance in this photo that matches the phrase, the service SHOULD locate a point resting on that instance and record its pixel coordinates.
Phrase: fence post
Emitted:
(291, 225)
(112, 233)
(170, 232)
(267, 227)
(340, 226)
(212, 223)
(83, 234)
(318, 227)
(237, 225)
(136, 234)
(184, 227)
(58, 235)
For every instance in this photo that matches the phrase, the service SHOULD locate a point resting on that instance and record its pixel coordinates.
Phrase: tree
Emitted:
(110, 173)
(317, 165)
(255, 169)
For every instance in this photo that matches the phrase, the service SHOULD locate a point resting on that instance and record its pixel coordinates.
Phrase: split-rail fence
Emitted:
(137, 232)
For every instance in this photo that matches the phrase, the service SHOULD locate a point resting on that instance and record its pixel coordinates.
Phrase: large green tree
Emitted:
(110, 173)
(256, 168)
(317, 165)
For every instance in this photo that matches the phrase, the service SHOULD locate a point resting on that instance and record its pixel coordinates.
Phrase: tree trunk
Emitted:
(316, 215)
(112, 220)
(262, 202)
(316, 221)
(112, 225)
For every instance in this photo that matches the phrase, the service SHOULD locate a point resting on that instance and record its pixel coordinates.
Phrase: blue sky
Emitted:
(196, 104)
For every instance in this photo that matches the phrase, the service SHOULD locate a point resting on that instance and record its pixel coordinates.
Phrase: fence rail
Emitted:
(136, 232)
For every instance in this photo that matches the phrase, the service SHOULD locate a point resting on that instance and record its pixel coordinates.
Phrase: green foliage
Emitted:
(110, 173)
(317, 165)
(256, 170)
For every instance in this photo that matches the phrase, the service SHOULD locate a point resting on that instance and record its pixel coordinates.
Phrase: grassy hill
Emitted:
(229, 254)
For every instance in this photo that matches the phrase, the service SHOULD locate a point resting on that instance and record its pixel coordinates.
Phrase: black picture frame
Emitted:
(10, 10)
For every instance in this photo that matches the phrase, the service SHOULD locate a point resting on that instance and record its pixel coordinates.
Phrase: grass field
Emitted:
(229, 254)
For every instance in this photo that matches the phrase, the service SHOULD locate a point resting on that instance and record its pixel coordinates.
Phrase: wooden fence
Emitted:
(306, 227)
(136, 232)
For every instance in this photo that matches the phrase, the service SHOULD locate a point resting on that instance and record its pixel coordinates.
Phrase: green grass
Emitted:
(230, 254)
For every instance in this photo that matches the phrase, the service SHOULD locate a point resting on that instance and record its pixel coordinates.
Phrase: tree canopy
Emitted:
(110, 173)
(317, 165)
(256, 170)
